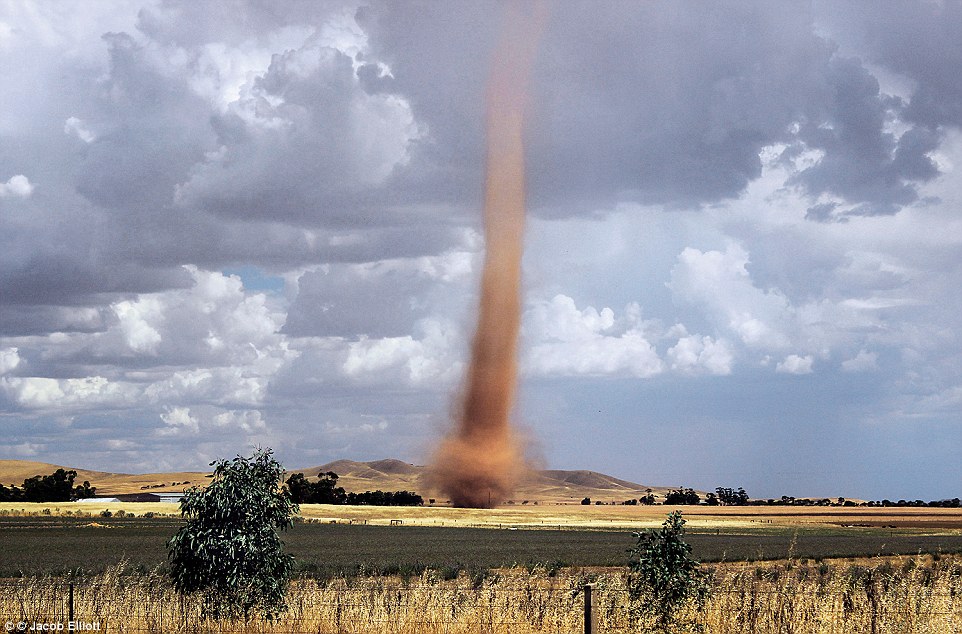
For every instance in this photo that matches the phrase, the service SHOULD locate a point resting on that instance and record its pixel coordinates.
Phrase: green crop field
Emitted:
(56, 545)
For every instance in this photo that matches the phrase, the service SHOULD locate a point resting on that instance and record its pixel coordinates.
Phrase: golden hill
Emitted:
(543, 486)
(14, 472)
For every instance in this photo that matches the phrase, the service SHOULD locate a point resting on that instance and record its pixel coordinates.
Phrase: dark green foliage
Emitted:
(682, 496)
(731, 497)
(12, 494)
(49, 488)
(662, 574)
(586, 501)
(56, 487)
(384, 498)
(326, 491)
(323, 491)
(229, 550)
(84, 491)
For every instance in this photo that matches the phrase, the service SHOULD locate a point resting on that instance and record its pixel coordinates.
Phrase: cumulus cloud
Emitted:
(563, 340)
(179, 420)
(794, 364)
(720, 281)
(43, 394)
(78, 128)
(18, 186)
(430, 358)
(9, 360)
(701, 355)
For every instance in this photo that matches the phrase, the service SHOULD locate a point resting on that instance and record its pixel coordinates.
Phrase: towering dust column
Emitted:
(478, 464)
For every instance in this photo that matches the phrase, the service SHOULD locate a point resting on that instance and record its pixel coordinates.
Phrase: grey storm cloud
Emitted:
(386, 299)
(636, 102)
(668, 106)
(921, 41)
(325, 157)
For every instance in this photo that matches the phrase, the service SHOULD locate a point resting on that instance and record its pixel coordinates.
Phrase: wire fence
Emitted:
(515, 604)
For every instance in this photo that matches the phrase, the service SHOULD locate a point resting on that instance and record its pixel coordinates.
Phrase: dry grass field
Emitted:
(909, 595)
(570, 516)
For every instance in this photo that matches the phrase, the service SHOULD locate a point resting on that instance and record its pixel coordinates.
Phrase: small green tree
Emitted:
(662, 574)
(229, 549)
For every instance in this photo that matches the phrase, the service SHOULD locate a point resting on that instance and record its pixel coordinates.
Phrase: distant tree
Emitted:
(383, 498)
(731, 497)
(83, 491)
(299, 489)
(57, 487)
(586, 501)
(662, 575)
(326, 490)
(683, 496)
(229, 550)
(648, 499)
(11, 494)
(323, 491)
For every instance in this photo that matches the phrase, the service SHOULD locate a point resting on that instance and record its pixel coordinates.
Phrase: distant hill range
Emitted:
(543, 486)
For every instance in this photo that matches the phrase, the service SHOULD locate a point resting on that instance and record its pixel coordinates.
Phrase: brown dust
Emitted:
(478, 464)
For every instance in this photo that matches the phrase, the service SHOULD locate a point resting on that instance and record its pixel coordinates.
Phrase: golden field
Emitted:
(929, 520)
(907, 595)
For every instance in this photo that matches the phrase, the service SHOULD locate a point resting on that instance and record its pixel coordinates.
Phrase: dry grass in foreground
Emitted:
(893, 596)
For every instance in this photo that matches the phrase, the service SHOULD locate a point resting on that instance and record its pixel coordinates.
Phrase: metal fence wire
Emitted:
(513, 603)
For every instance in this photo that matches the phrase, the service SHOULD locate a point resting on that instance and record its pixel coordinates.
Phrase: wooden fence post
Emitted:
(591, 626)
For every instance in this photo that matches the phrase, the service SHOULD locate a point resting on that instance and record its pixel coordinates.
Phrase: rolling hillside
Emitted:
(544, 486)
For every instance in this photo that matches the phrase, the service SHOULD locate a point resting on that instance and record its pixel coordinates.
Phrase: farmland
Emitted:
(338, 540)
(514, 569)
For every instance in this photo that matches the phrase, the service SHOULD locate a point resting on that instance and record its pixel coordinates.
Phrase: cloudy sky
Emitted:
(227, 224)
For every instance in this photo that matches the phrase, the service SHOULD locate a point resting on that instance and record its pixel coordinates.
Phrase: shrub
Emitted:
(229, 550)
(662, 575)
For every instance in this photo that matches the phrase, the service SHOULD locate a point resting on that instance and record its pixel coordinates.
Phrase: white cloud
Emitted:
(135, 323)
(794, 364)
(9, 360)
(720, 282)
(428, 360)
(700, 355)
(563, 340)
(18, 186)
(78, 128)
(247, 421)
(44, 394)
(179, 420)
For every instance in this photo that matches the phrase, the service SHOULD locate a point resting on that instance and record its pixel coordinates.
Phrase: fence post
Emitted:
(590, 612)
(70, 604)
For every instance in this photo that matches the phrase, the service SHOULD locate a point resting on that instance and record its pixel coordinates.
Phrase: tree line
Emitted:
(325, 491)
(56, 487)
(724, 496)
